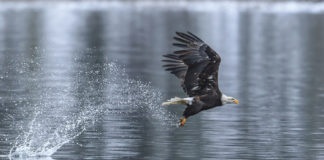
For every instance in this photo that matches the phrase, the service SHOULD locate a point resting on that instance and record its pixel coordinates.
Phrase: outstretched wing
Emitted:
(196, 64)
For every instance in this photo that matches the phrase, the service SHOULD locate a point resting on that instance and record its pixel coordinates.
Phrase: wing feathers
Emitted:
(196, 64)
(197, 39)
(180, 45)
(175, 65)
(181, 40)
(188, 37)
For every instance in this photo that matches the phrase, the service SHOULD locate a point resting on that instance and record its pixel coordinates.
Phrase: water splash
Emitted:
(136, 96)
(60, 115)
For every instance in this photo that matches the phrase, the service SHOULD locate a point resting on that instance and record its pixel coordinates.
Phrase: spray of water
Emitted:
(60, 115)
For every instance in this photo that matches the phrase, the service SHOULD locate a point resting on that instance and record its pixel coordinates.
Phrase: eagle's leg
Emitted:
(182, 121)
(193, 109)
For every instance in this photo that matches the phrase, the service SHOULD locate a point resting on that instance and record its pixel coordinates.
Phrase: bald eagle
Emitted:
(196, 65)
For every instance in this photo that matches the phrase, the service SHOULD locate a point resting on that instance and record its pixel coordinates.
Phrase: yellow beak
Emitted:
(236, 101)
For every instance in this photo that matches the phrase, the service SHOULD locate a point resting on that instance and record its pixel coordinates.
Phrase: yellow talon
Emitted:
(182, 121)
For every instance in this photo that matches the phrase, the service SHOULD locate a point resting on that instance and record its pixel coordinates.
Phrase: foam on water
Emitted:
(58, 117)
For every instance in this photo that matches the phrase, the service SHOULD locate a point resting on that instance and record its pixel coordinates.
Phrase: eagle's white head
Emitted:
(228, 100)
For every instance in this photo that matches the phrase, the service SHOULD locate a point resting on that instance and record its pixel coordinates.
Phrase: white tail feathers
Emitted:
(177, 100)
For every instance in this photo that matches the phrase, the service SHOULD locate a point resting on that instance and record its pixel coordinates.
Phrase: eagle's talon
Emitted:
(182, 122)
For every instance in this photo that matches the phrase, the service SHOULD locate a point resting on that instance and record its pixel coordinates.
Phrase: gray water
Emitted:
(83, 80)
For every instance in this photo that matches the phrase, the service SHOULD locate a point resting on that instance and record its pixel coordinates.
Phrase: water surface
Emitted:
(88, 76)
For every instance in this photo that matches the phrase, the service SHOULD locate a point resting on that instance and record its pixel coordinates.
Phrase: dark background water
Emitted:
(272, 61)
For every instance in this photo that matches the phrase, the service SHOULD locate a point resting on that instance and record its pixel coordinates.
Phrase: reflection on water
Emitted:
(271, 61)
